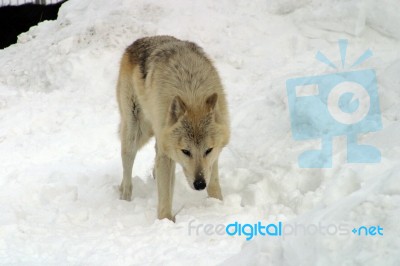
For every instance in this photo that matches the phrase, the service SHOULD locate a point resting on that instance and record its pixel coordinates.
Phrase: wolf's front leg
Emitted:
(213, 189)
(165, 175)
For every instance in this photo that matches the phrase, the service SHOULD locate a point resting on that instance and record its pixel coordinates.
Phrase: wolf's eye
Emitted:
(208, 151)
(187, 153)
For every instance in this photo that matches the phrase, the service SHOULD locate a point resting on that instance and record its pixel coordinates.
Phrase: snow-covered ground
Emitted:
(60, 165)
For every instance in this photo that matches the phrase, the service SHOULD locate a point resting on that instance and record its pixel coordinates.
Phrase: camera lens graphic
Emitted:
(342, 103)
(348, 103)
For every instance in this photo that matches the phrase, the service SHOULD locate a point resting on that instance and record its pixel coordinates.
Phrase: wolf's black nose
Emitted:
(199, 184)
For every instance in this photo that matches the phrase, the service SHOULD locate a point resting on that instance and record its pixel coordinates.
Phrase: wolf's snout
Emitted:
(199, 184)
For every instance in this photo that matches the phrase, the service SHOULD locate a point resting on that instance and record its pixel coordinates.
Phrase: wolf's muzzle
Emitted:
(199, 184)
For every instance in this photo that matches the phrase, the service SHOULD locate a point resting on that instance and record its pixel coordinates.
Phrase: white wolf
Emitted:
(169, 88)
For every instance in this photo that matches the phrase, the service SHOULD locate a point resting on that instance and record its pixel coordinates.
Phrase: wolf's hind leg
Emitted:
(214, 189)
(128, 154)
(135, 132)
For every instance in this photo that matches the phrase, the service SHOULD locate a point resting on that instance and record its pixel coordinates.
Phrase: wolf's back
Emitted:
(139, 51)
(164, 67)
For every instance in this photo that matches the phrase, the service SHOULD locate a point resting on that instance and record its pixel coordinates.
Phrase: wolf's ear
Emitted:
(176, 110)
(211, 101)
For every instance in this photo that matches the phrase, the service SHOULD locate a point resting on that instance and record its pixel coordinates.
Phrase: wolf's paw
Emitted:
(167, 216)
(215, 193)
(216, 196)
(125, 192)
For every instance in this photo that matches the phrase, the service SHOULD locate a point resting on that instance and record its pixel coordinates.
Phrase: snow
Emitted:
(60, 164)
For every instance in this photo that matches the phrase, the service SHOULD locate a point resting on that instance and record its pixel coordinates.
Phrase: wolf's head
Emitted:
(194, 137)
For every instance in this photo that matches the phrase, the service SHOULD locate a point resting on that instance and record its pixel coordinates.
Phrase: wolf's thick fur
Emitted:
(170, 89)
